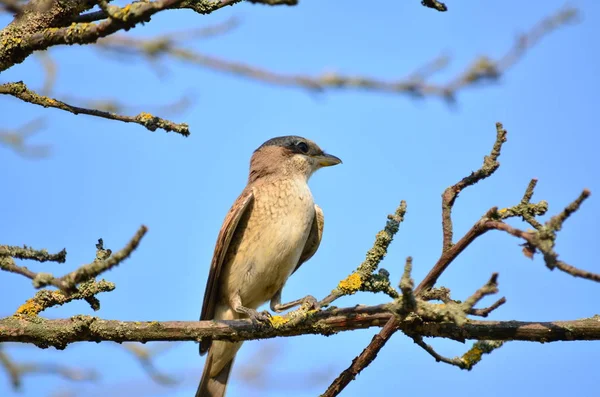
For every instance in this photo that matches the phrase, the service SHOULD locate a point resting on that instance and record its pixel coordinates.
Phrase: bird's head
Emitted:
(289, 155)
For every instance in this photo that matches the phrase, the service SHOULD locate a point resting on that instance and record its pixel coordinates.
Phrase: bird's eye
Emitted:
(302, 146)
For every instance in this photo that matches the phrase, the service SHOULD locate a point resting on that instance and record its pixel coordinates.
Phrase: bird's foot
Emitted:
(307, 305)
(254, 315)
(309, 302)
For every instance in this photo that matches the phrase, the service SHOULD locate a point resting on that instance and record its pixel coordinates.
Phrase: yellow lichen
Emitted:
(278, 321)
(502, 211)
(30, 308)
(472, 356)
(350, 284)
(144, 117)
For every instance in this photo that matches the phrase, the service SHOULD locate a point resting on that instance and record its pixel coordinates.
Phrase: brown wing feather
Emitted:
(314, 238)
(225, 234)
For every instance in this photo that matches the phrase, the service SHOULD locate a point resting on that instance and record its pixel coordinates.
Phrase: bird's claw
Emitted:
(259, 317)
(309, 302)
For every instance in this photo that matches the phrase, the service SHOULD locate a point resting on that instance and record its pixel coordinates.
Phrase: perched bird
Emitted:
(272, 228)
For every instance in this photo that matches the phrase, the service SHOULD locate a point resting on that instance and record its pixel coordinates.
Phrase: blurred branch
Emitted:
(17, 139)
(16, 371)
(145, 356)
(12, 6)
(152, 123)
(416, 85)
(50, 71)
(261, 371)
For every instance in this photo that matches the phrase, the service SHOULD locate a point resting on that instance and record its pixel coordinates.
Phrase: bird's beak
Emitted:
(327, 160)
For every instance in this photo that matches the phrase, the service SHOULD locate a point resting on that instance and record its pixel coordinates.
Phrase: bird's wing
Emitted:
(314, 238)
(230, 223)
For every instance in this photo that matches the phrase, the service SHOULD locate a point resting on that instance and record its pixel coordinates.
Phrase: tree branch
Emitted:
(60, 333)
(26, 252)
(543, 240)
(152, 123)
(363, 278)
(490, 165)
(416, 85)
(17, 139)
(78, 284)
(16, 371)
(21, 41)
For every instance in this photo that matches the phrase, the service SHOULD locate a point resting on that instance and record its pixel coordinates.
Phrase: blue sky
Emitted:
(105, 179)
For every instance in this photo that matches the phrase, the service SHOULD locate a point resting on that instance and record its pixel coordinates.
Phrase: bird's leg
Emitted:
(309, 301)
(254, 315)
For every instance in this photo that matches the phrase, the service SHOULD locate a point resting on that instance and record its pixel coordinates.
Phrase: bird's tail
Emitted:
(213, 386)
(219, 361)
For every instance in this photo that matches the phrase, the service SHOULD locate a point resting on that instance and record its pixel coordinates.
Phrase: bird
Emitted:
(272, 228)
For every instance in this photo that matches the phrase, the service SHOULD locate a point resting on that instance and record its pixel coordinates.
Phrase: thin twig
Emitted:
(26, 252)
(490, 288)
(45, 298)
(363, 279)
(443, 294)
(70, 283)
(469, 359)
(20, 90)
(439, 358)
(91, 270)
(490, 165)
(486, 311)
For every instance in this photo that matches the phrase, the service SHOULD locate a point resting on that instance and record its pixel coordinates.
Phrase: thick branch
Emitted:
(17, 46)
(60, 333)
(152, 123)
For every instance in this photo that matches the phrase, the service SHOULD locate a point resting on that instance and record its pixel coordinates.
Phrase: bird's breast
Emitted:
(272, 240)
